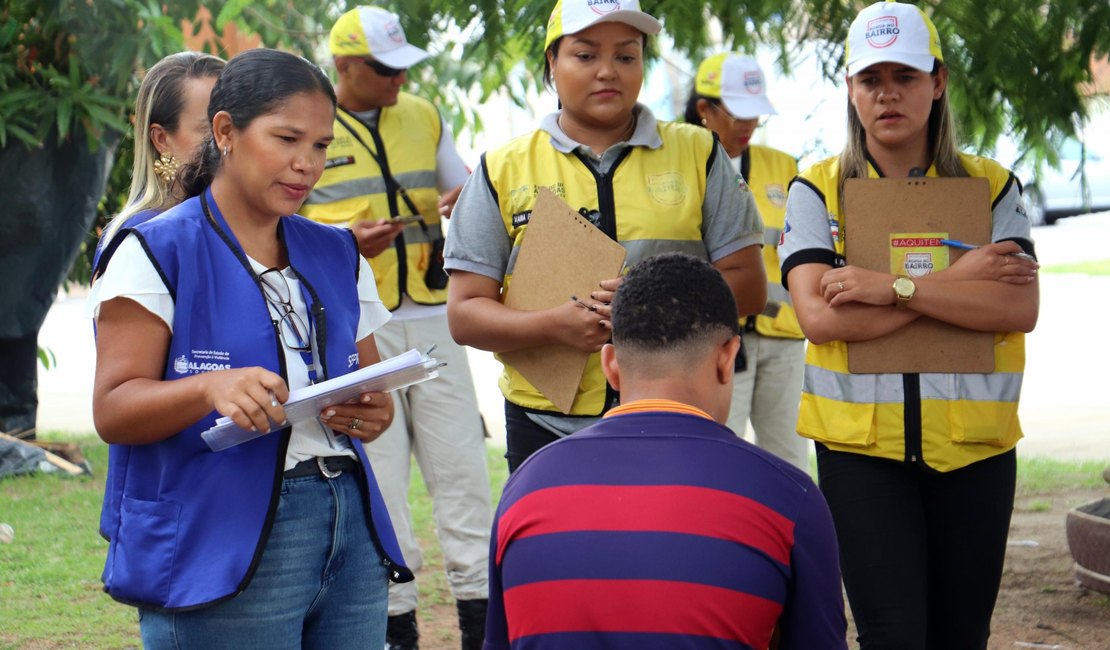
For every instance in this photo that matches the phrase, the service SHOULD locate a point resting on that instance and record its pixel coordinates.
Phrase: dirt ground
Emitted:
(1039, 606)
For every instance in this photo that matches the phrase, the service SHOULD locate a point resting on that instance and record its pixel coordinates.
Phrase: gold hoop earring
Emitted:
(165, 166)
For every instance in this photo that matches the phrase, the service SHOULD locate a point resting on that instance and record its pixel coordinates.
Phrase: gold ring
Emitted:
(354, 423)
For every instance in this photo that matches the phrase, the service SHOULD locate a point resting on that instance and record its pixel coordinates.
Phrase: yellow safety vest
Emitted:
(353, 188)
(652, 198)
(768, 173)
(965, 417)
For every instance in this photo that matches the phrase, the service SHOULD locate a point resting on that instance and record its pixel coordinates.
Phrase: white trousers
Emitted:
(438, 422)
(768, 393)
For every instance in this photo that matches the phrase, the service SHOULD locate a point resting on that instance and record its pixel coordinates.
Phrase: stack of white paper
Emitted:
(403, 370)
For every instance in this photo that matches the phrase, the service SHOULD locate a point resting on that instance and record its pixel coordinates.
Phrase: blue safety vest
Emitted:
(187, 526)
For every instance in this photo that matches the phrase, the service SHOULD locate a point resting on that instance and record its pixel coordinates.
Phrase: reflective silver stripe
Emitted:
(995, 387)
(366, 186)
(346, 190)
(640, 249)
(414, 234)
(512, 260)
(887, 388)
(771, 236)
(775, 293)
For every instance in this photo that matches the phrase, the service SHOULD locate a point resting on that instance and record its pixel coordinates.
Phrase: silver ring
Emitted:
(354, 424)
(840, 285)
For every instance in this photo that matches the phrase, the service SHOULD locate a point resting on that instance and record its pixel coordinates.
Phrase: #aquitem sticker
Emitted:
(917, 254)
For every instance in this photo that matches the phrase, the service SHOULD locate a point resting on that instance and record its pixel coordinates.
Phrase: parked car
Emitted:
(1050, 193)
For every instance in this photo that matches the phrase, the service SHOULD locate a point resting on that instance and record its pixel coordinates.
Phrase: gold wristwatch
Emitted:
(904, 288)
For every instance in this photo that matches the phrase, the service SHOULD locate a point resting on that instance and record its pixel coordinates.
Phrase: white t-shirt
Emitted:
(132, 275)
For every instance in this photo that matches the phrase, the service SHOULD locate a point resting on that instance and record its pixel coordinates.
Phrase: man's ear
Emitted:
(610, 367)
(726, 359)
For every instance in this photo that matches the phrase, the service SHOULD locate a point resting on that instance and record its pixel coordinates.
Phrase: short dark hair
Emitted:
(673, 300)
(254, 83)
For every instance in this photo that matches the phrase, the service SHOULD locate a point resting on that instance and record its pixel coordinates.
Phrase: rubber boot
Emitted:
(401, 632)
(472, 622)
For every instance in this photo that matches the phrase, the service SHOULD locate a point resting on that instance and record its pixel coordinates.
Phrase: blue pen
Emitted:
(955, 243)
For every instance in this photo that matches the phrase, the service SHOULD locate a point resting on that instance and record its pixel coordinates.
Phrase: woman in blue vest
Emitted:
(652, 186)
(918, 468)
(220, 306)
(171, 120)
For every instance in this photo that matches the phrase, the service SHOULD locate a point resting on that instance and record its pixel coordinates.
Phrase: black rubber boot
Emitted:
(472, 622)
(401, 632)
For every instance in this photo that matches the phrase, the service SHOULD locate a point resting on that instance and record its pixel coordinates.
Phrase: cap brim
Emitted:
(922, 62)
(405, 56)
(747, 108)
(638, 19)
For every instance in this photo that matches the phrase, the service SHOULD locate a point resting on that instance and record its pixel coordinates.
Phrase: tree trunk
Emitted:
(48, 200)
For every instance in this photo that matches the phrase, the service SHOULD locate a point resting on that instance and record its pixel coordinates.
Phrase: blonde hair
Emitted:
(942, 142)
(160, 101)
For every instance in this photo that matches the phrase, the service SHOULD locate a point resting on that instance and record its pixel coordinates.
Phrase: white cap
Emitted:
(738, 82)
(572, 16)
(891, 32)
(372, 31)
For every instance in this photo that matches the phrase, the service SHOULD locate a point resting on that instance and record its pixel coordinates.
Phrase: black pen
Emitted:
(590, 307)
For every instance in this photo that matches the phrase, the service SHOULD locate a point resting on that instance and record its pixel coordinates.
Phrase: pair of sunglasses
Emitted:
(382, 69)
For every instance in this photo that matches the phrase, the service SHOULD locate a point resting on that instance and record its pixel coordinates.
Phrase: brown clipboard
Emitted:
(562, 255)
(877, 209)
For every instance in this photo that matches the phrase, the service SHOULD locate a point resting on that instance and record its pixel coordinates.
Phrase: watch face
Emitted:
(904, 288)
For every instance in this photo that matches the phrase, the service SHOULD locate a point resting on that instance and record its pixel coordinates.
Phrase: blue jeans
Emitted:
(319, 584)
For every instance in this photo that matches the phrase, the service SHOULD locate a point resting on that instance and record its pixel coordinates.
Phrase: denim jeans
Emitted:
(319, 584)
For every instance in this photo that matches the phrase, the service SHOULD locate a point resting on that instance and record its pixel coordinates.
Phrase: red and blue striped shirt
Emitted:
(659, 528)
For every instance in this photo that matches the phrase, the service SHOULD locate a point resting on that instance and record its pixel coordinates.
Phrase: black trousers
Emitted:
(523, 437)
(921, 551)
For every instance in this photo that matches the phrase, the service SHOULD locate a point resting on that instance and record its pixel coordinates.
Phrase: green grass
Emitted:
(1043, 475)
(50, 591)
(1096, 267)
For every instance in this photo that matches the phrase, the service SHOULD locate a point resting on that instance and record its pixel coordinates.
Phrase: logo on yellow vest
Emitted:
(776, 194)
(668, 188)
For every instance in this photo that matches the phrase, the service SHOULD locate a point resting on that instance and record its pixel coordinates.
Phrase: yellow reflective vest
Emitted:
(354, 188)
(650, 201)
(965, 417)
(768, 173)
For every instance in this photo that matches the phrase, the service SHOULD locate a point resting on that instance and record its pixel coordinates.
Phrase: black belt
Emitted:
(323, 466)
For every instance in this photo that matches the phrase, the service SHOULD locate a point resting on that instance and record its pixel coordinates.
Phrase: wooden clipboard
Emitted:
(562, 255)
(877, 209)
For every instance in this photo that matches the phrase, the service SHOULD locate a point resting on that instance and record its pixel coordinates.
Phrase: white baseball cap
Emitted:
(372, 31)
(738, 82)
(892, 32)
(572, 16)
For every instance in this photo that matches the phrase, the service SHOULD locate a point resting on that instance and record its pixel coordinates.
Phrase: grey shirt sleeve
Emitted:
(1009, 220)
(476, 239)
(730, 220)
(807, 235)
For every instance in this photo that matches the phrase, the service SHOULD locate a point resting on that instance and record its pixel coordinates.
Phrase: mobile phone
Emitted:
(412, 218)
